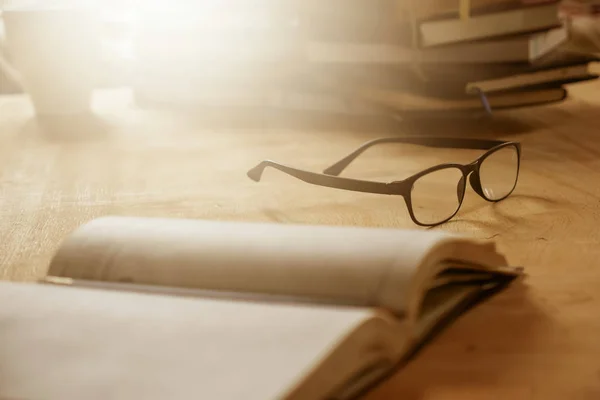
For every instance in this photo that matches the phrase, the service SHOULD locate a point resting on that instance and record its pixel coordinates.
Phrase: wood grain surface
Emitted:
(538, 340)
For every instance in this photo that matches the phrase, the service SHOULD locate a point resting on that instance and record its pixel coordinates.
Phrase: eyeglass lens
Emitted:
(498, 173)
(436, 196)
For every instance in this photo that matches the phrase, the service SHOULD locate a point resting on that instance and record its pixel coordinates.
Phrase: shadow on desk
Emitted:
(500, 125)
(266, 118)
(93, 127)
(480, 355)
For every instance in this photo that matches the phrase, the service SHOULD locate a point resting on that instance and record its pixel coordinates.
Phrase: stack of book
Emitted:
(492, 55)
(427, 57)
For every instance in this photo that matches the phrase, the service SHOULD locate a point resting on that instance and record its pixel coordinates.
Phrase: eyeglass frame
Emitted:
(330, 176)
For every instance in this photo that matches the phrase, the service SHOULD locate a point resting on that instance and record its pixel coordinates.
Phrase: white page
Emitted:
(71, 343)
(350, 265)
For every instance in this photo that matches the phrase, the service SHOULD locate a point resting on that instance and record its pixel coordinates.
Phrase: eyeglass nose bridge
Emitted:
(476, 184)
(474, 178)
(472, 170)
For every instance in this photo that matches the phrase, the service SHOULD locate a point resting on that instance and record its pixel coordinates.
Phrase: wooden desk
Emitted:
(540, 343)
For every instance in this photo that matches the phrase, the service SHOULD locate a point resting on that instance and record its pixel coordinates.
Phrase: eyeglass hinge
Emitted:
(394, 187)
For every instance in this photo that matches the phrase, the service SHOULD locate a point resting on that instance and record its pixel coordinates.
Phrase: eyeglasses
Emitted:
(432, 196)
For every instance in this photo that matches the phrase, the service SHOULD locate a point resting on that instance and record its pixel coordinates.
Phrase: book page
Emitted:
(72, 343)
(337, 265)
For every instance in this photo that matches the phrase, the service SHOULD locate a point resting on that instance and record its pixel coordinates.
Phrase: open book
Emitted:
(168, 308)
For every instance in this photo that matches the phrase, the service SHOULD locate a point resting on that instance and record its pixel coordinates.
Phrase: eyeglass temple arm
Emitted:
(325, 180)
(441, 142)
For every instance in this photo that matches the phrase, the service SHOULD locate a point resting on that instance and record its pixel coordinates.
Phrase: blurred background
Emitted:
(356, 56)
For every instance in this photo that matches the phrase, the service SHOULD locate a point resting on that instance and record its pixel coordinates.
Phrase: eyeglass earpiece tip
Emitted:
(254, 174)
